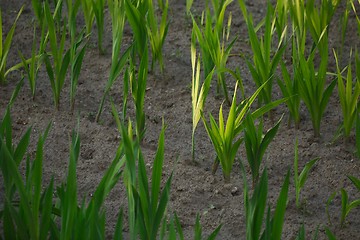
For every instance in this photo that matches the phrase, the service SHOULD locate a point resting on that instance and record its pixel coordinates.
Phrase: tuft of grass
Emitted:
(98, 8)
(89, 15)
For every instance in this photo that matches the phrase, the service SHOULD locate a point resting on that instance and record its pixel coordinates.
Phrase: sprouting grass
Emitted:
(98, 7)
(157, 33)
(198, 95)
(255, 207)
(347, 206)
(5, 48)
(349, 95)
(256, 143)
(118, 61)
(264, 62)
(300, 180)
(211, 38)
(61, 58)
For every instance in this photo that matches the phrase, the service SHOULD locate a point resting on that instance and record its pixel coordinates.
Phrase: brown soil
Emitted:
(194, 188)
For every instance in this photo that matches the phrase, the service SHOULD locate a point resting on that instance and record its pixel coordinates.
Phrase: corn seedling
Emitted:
(198, 95)
(138, 89)
(357, 133)
(98, 7)
(198, 231)
(77, 49)
(146, 205)
(157, 34)
(5, 48)
(89, 15)
(264, 63)
(300, 180)
(26, 216)
(136, 16)
(313, 89)
(256, 143)
(211, 39)
(224, 138)
(349, 95)
(61, 58)
(255, 209)
(281, 19)
(356, 15)
(32, 66)
(189, 4)
(290, 89)
(118, 61)
(346, 206)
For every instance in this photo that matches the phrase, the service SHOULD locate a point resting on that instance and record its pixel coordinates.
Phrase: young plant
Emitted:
(347, 206)
(211, 39)
(98, 7)
(264, 62)
(313, 89)
(300, 180)
(89, 15)
(61, 58)
(157, 34)
(147, 205)
(256, 143)
(77, 49)
(5, 48)
(138, 89)
(118, 61)
(255, 209)
(198, 95)
(32, 66)
(349, 95)
(224, 138)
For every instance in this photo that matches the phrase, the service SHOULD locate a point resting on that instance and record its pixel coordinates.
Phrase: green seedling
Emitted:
(255, 209)
(147, 205)
(300, 180)
(290, 89)
(256, 143)
(157, 33)
(32, 66)
(98, 7)
(224, 138)
(349, 95)
(211, 38)
(61, 58)
(357, 133)
(198, 95)
(89, 15)
(118, 60)
(313, 89)
(136, 16)
(5, 48)
(264, 62)
(138, 89)
(346, 206)
(77, 49)
(189, 4)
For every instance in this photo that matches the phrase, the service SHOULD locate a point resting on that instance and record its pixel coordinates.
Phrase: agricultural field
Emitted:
(170, 119)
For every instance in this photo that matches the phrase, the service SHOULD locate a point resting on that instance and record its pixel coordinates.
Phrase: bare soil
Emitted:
(194, 188)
